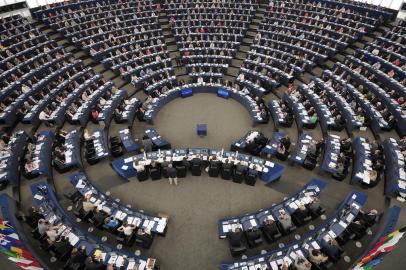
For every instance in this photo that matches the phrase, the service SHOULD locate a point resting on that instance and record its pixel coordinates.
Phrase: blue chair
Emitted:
(201, 130)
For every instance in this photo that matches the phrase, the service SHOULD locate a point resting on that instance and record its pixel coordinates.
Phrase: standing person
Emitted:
(173, 178)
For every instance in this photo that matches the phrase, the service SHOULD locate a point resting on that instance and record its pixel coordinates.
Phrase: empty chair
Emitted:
(196, 166)
(227, 171)
(239, 174)
(181, 171)
(155, 173)
(143, 175)
(214, 168)
(251, 177)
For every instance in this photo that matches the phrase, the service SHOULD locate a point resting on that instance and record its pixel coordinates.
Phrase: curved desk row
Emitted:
(387, 225)
(257, 219)
(362, 165)
(45, 199)
(222, 91)
(331, 154)
(108, 109)
(153, 223)
(11, 171)
(42, 158)
(268, 171)
(331, 228)
(72, 151)
(395, 175)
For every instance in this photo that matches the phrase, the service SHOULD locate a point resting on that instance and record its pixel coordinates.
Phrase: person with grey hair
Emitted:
(173, 178)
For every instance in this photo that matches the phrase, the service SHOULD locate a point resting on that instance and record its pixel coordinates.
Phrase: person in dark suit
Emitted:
(331, 248)
(300, 214)
(235, 238)
(92, 263)
(62, 246)
(357, 228)
(253, 236)
(77, 257)
(270, 228)
(33, 217)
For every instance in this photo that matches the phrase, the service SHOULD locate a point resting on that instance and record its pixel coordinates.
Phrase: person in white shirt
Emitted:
(126, 229)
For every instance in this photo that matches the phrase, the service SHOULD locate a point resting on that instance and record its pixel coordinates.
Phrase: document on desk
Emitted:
(112, 259)
(128, 160)
(38, 197)
(73, 239)
(342, 224)
(253, 223)
(274, 265)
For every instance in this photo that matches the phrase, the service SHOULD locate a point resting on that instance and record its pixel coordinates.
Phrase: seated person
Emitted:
(51, 234)
(144, 238)
(301, 263)
(77, 258)
(300, 214)
(235, 238)
(373, 178)
(285, 220)
(87, 206)
(42, 226)
(98, 217)
(33, 216)
(270, 228)
(369, 218)
(282, 152)
(253, 236)
(314, 206)
(126, 229)
(317, 257)
(357, 228)
(94, 263)
(331, 248)
(138, 167)
(111, 223)
(62, 246)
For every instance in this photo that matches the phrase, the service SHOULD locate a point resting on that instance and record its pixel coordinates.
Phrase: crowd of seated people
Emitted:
(42, 68)
(343, 159)
(281, 111)
(129, 43)
(129, 234)
(32, 159)
(271, 230)
(364, 111)
(208, 33)
(99, 88)
(380, 109)
(330, 107)
(308, 113)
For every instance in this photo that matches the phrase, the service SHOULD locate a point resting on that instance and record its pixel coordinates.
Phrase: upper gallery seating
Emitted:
(131, 44)
(208, 34)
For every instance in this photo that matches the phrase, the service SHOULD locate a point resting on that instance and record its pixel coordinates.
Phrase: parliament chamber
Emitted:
(202, 134)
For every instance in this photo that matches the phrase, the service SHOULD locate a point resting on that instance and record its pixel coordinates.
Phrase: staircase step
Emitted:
(233, 71)
(236, 62)
(109, 75)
